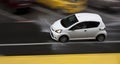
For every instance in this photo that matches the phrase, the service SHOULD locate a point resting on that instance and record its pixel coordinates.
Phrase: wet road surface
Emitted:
(17, 40)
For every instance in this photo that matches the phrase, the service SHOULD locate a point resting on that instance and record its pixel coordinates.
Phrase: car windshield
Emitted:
(68, 21)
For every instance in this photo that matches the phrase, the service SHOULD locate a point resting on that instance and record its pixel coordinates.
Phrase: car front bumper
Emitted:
(54, 35)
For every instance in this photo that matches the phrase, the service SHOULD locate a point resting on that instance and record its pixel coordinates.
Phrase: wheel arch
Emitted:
(64, 35)
(101, 34)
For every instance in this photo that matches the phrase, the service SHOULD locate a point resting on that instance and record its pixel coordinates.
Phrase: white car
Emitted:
(79, 26)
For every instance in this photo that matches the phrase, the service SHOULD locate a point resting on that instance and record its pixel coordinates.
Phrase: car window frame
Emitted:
(84, 27)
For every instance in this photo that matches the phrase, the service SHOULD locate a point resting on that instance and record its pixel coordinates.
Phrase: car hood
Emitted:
(57, 25)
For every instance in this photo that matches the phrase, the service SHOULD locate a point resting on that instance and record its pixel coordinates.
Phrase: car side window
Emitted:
(87, 24)
(92, 24)
(79, 26)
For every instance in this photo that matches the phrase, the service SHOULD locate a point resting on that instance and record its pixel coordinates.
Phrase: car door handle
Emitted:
(85, 30)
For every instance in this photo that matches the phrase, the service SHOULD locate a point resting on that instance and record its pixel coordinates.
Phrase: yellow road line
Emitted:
(63, 59)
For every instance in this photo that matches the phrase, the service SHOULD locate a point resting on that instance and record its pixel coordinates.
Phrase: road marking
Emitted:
(21, 44)
(52, 43)
(94, 42)
(9, 15)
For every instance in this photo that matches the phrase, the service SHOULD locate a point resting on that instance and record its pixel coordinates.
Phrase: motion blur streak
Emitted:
(113, 24)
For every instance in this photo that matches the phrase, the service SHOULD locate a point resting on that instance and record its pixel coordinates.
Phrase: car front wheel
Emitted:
(63, 39)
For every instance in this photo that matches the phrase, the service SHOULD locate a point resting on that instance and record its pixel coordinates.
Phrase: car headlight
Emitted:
(58, 31)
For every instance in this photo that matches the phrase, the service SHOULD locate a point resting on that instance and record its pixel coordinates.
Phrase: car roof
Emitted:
(88, 17)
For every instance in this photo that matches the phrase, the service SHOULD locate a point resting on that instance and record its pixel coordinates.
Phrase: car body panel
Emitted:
(57, 25)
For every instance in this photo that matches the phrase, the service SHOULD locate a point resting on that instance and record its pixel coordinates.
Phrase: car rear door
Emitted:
(92, 29)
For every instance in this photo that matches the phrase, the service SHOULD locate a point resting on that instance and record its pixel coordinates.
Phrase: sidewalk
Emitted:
(63, 59)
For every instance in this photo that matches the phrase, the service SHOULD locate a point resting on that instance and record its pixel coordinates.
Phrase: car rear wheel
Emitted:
(100, 38)
(63, 39)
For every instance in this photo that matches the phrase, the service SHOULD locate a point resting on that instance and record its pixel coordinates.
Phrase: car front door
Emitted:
(84, 30)
(78, 31)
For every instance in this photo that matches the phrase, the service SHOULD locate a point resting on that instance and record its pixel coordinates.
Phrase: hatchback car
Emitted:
(79, 26)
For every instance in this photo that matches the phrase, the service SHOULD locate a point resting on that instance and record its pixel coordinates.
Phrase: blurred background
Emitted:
(19, 17)
(28, 21)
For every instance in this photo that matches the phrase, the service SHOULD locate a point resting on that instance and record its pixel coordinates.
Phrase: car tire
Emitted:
(63, 39)
(100, 38)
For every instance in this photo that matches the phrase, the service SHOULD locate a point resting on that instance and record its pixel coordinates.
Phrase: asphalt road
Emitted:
(4, 19)
(69, 48)
(16, 42)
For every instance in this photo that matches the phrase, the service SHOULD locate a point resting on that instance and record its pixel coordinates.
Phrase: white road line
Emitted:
(21, 44)
(10, 15)
(94, 42)
(51, 43)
